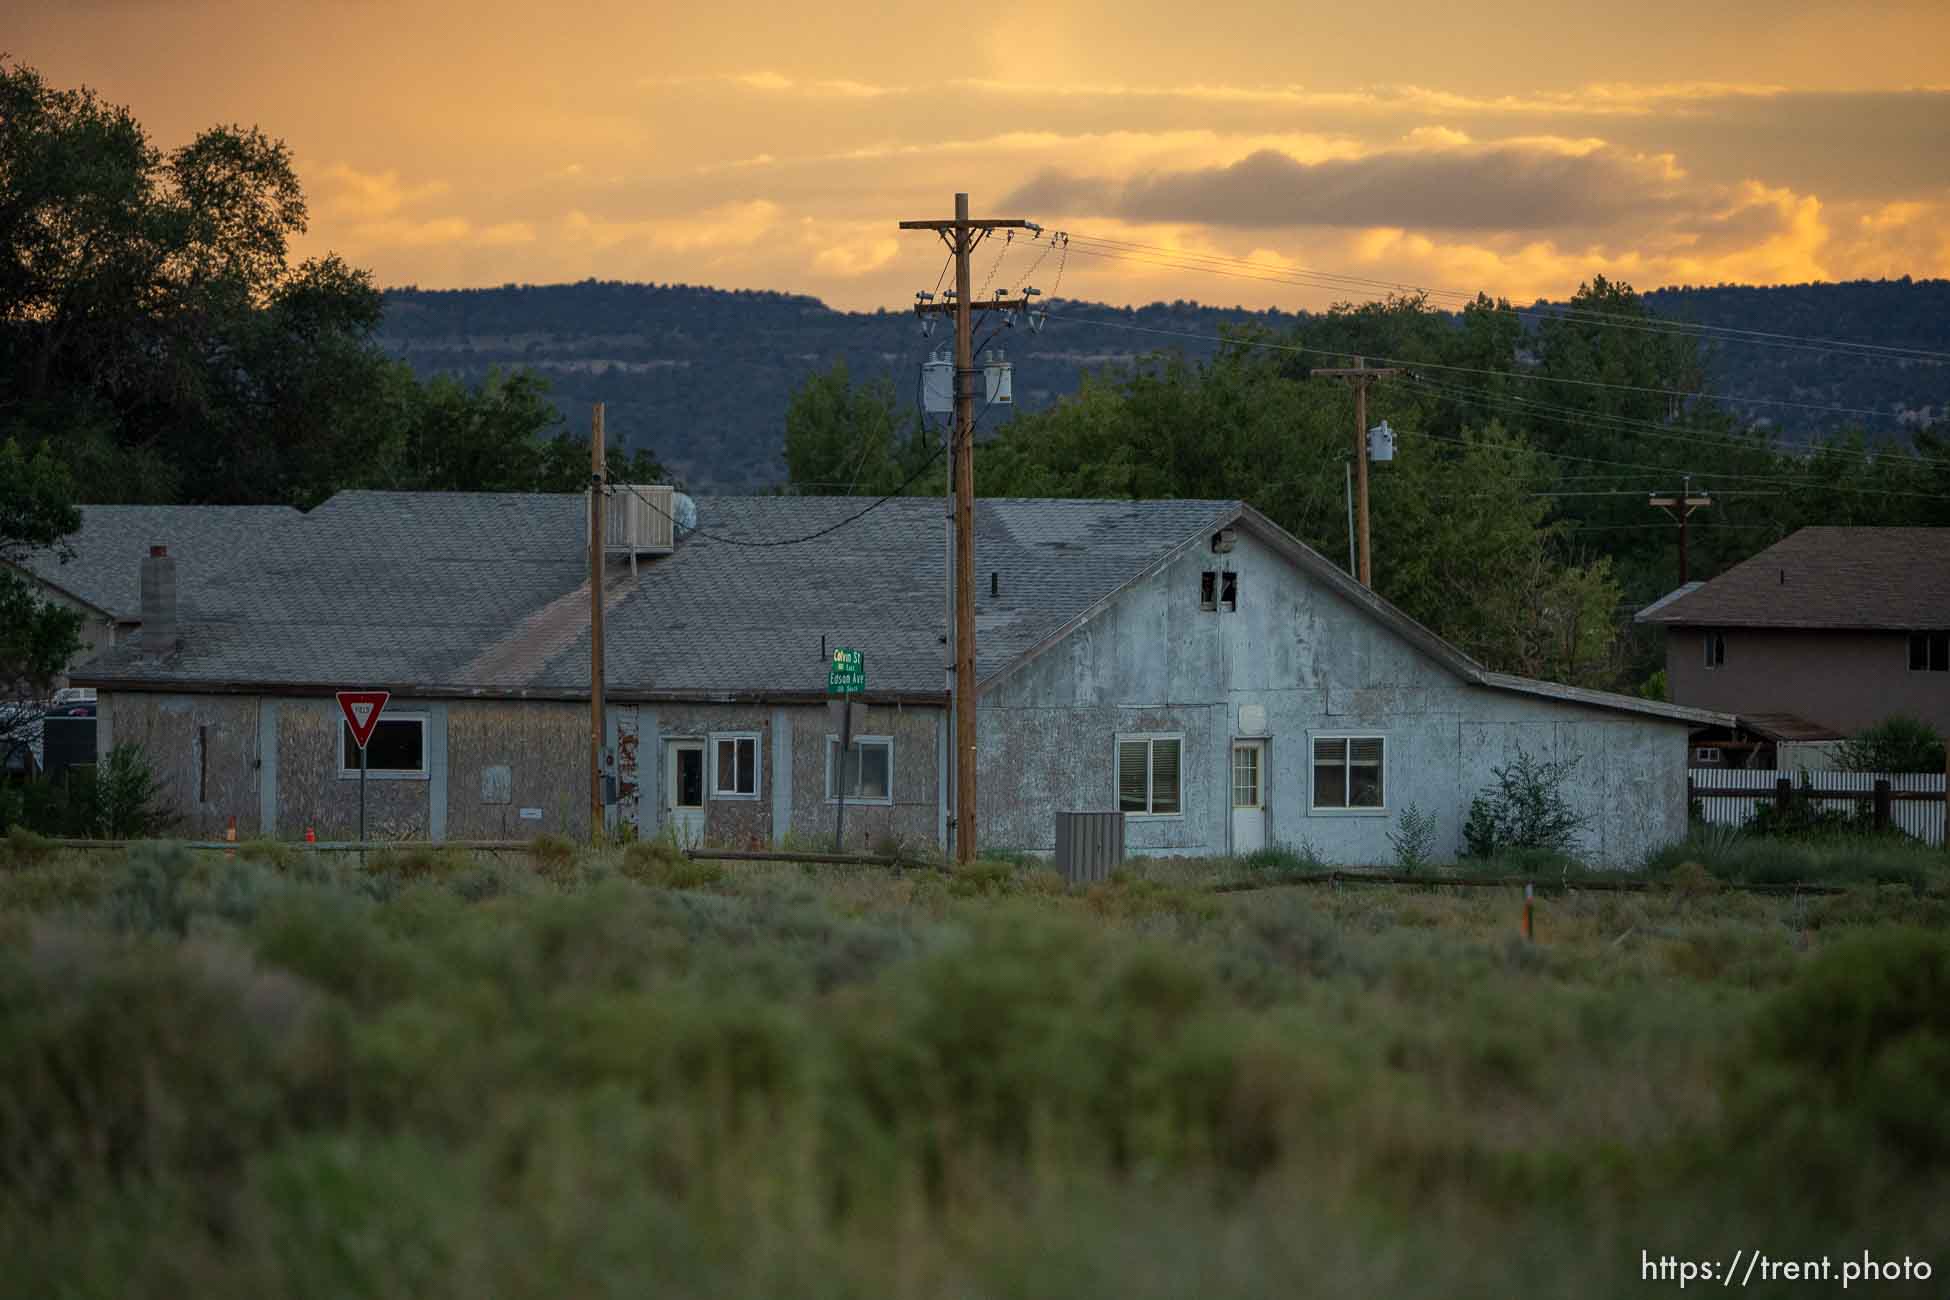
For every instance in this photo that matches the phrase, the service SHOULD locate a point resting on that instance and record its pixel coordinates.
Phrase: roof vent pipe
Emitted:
(158, 634)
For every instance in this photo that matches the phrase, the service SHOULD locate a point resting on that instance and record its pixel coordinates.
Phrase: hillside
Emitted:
(703, 376)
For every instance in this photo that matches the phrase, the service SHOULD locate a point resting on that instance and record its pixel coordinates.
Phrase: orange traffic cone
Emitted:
(230, 834)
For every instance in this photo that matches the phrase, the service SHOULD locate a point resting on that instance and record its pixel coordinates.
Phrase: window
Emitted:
(1245, 776)
(1349, 772)
(1148, 776)
(1929, 652)
(1229, 592)
(734, 771)
(1208, 590)
(869, 769)
(396, 752)
(1706, 754)
(1716, 650)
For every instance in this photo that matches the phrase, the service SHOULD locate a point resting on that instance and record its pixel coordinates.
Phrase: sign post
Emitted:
(362, 710)
(847, 675)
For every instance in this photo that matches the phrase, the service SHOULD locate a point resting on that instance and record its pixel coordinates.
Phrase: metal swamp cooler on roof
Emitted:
(644, 519)
(1089, 845)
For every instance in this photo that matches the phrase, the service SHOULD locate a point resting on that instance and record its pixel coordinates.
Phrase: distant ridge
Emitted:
(704, 375)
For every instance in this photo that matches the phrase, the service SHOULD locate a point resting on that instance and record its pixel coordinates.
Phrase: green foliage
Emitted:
(661, 863)
(1525, 808)
(1757, 859)
(208, 1064)
(1276, 860)
(129, 802)
(1857, 1047)
(843, 440)
(1896, 744)
(1415, 841)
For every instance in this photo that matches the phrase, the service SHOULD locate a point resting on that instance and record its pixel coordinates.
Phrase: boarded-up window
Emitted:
(1349, 772)
(735, 771)
(1148, 775)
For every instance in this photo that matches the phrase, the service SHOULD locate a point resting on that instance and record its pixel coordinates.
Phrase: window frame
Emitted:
(1208, 591)
(1929, 641)
(1316, 809)
(423, 773)
(712, 789)
(832, 743)
(1229, 591)
(1715, 640)
(1149, 739)
(1700, 753)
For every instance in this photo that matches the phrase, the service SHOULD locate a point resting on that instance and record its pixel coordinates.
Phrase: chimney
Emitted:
(158, 634)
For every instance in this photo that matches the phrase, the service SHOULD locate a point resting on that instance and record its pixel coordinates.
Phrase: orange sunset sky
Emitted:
(1517, 149)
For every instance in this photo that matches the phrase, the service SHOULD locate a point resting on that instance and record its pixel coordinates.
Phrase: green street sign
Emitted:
(847, 674)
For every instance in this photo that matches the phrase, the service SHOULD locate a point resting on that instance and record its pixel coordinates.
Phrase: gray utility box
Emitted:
(1089, 845)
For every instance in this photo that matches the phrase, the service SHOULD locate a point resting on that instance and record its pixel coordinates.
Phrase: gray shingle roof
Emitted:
(487, 591)
(1883, 578)
(105, 569)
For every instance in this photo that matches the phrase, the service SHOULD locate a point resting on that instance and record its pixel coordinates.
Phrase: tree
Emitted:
(840, 437)
(37, 637)
(156, 337)
(1895, 744)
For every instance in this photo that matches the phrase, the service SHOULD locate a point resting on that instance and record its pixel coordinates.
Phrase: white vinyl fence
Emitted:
(1728, 797)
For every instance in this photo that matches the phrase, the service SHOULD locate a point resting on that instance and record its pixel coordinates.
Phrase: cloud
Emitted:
(363, 196)
(729, 226)
(1496, 187)
(856, 258)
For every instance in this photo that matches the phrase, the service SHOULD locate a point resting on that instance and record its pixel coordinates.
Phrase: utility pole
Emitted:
(1681, 507)
(598, 503)
(961, 235)
(1359, 377)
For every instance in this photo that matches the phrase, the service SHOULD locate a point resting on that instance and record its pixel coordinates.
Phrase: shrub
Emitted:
(1277, 860)
(1525, 808)
(1895, 744)
(23, 848)
(1863, 1038)
(270, 853)
(1415, 841)
(149, 898)
(419, 861)
(661, 863)
(553, 855)
(128, 799)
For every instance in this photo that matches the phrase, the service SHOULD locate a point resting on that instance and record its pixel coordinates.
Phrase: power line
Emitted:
(1626, 424)
(912, 479)
(1221, 264)
(1629, 424)
(1469, 370)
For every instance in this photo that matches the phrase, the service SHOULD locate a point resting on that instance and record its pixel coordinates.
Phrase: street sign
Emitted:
(847, 674)
(362, 710)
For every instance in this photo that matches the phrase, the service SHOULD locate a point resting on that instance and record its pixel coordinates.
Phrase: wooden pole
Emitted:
(597, 504)
(965, 376)
(1358, 377)
(961, 235)
(1361, 470)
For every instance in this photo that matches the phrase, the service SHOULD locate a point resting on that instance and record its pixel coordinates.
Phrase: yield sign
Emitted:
(362, 710)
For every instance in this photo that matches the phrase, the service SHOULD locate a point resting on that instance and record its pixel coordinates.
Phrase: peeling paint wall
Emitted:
(312, 794)
(912, 819)
(543, 744)
(203, 751)
(1156, 662)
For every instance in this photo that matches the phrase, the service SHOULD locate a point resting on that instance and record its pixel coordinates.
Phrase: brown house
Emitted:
(1823, 634)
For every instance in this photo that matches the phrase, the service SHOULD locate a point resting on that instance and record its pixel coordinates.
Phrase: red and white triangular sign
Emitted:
(362, 710)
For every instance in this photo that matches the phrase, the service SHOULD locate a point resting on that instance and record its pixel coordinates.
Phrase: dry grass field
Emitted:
(624, 1074)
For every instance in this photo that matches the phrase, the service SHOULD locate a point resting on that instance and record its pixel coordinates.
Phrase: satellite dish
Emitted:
(683, 513)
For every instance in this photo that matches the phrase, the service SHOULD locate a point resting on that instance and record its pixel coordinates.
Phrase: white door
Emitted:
(684, 790)
(1248, 795)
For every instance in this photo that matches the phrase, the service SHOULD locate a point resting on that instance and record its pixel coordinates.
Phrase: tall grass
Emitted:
(609, 1076)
